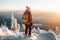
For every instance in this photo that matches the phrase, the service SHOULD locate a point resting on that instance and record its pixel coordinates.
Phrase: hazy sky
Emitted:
(49, 5)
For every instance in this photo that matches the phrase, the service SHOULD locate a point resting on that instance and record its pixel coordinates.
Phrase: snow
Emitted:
(6, 34)
(46, 36)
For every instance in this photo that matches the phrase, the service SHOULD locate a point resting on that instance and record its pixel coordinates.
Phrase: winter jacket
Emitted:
(27, 17)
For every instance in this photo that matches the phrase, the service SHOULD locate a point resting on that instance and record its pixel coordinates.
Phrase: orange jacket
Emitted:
(29, 21)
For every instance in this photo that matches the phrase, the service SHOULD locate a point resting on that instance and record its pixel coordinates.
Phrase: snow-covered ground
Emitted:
(6, 34)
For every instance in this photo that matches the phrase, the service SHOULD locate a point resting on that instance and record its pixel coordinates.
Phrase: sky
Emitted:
(48, 5)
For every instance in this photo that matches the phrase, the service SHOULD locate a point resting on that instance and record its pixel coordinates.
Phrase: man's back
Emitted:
(27, 17)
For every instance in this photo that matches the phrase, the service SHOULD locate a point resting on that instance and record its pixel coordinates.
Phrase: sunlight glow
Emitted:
(49, 5)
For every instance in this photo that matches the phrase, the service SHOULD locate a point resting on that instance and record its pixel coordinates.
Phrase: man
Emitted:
(27, 20)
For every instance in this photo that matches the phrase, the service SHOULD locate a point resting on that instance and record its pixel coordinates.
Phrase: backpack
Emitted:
(25, 17)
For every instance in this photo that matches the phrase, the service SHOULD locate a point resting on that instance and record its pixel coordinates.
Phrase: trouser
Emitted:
(28, 31)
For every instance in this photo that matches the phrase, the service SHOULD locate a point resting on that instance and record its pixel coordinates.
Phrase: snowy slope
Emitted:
(6, 34)
(20, 36)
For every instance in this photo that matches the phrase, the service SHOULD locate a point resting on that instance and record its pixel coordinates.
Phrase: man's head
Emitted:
(27, 8)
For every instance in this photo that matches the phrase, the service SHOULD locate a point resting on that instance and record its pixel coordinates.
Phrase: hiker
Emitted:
(27, 20)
